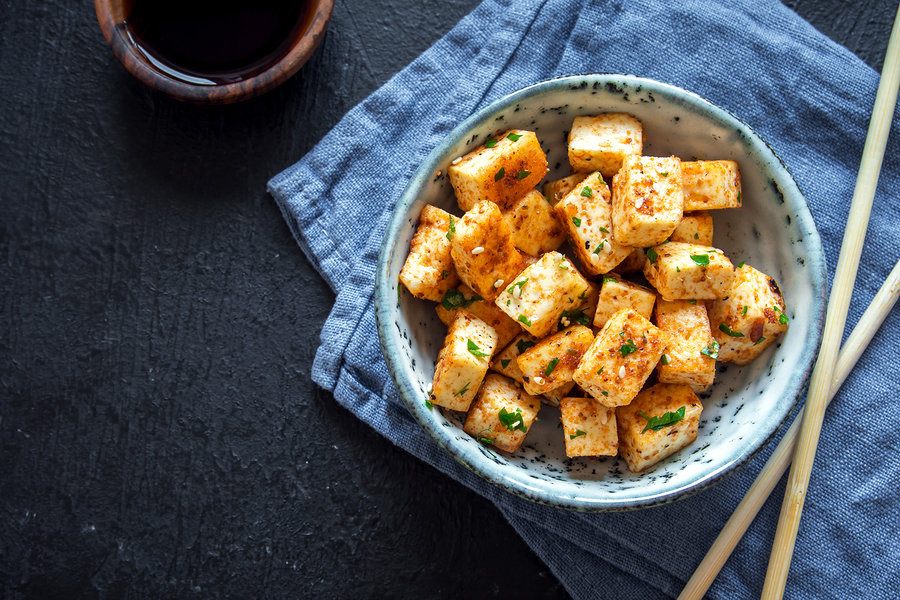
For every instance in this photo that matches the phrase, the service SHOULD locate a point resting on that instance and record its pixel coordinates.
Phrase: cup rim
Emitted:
(117, 36)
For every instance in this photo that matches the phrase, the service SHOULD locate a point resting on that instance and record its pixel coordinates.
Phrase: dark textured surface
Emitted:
(159, 433)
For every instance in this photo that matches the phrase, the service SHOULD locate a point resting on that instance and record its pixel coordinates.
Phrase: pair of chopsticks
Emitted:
(831, 370)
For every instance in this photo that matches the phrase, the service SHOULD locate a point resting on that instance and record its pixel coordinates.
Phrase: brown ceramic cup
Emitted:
(113, 17)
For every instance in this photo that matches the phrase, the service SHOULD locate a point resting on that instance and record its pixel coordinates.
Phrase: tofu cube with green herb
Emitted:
(554, 396)
(504, 362)
(586, 213)
(750, 318)
(647, 200)
(502, 414)
(535, 228)
(616, 294)
(501, 170)
(662, 420)
(464, 297)
(691, 356)
(711, 184)
(589, 428)
(462, 361)
(428, 271)
(583, 312)
(537, 297)
(695, 228)
(551, 362)
(483, 250)
(621, 358)
(633, 263)
(681, 271)
(555, 190)
(601, 142)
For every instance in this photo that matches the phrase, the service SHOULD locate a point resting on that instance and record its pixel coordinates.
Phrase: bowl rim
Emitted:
(385, 294)
(110, 18)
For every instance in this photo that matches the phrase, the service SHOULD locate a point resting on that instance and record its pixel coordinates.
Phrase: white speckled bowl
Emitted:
(773, 231)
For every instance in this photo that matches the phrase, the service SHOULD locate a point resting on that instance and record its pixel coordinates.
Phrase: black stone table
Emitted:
(159, 432)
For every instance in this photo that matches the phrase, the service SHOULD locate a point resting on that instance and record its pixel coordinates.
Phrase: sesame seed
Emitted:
(517, 291)
(456, 160)
(604, 417)
(639, 202)
(498, 283)
(477, 249)
(539, 380)
(594, 258)
(622, 372)
(565, 321)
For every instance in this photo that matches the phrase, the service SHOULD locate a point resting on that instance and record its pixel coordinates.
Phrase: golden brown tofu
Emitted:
(552, 361)
(690, 357)
(554, 396)
(633, 263)
(711, 184)
(504, 362)
(647, 200)
(601, 143)
(621, 358)
(616, 294)
(502, 414)
(555, 190)
(695, 228)
(589, 428)
(464, 297)
(750, 319)
(535, 228)
(662, 420)
(428, 271)
(501, 171)
(462, 362)
(682, 271)
(586, 214)
(483, 250)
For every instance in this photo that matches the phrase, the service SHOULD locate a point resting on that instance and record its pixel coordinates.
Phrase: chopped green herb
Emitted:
(741, 264)
(727, 330)
(759, 341)
(605, 393)
(518, 284)
(563, 264)
(454, 299)
(744, 312)
(428, 404)
(664, 359)
(664, 173)
(463, 390)
(452, 228)
(607, 278)
(504, 362)
(600, 370)
(523, 174)
(512, 421)
(628, 348)
(490, 142)
(651, 255)
(577, 316)
(547, 199)
(485, 440)
(604, 230)
(514, 136)
(599, 247)
(700, 259)
(739, 195)
(577, 221)
(657, 423)
(783, 318)
(473, 348)
(583, 295)
(621, 333)
(677, 269)
(712, 350)
(444, 275)
(587, 192)
(550, 366)
(500, 174)
(523, 345)
(578, 433)
(524, 319)
(696, 236)
(693, 302)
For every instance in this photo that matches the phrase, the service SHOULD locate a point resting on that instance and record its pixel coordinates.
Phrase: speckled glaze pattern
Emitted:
(773, 231)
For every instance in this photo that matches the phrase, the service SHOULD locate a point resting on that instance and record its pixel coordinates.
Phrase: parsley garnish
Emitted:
(664, 359)
(657, 423)
(523, 345)
(712, 350)
(696, 236)
(739, 196)
(664, 173)
(759, 341)
(600, 247)
(692, 302)
(727, 330)
(428, 404)
(444, 275)
(578, 433)
(550, 366)
(607, 278)
(490, 142)
(577, 221)
(523, 174)
(651, 255)
(514, 136)
(500, 174)
(604, 230)
(600, 370)
(452, 228)
(504, 362)
(485, 440)
(587, 192)
(783, 319)
(463, 390)
(473, 348)
(744, 312)
(518, 284)
(512, 421)
(628, 348)
(700, 259)
(577, 316)
(454, 299)
(741, 264)
(605, 393)
(583, 295)
(524, 319)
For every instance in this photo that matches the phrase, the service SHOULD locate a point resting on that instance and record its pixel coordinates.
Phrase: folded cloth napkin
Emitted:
(808, 97)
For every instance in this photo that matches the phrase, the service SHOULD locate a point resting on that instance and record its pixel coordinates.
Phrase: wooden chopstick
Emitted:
(778, 463)
(841, 290)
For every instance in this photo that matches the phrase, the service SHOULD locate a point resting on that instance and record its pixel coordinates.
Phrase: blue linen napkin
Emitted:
(808, 97)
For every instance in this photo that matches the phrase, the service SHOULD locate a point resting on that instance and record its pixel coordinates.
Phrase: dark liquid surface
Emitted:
(204, 41)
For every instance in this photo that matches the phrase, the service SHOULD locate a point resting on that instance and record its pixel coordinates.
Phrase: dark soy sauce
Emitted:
(215, 41)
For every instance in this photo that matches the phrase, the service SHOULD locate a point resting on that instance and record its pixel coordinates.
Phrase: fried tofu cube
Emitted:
(647, 200)
(502, 414)
(711, 184)
(428, 271)
(621, 358)
(616, 294)
(644, 442)
(483, 250)
(555, 190)
(586, 214)
(501, 171)
(462, 361)
(695, 228)
(589, 428)
(552, 361)
(554, 396)
(464, 297)
(633, 263)
(750, 318)
(583, 313)
(681, 271)
(690, 357)
(504, 362)
(537, 297)
(601, 143)
(535, 228)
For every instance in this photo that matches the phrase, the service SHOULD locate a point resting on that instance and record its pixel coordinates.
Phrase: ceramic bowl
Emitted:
(773, 231)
